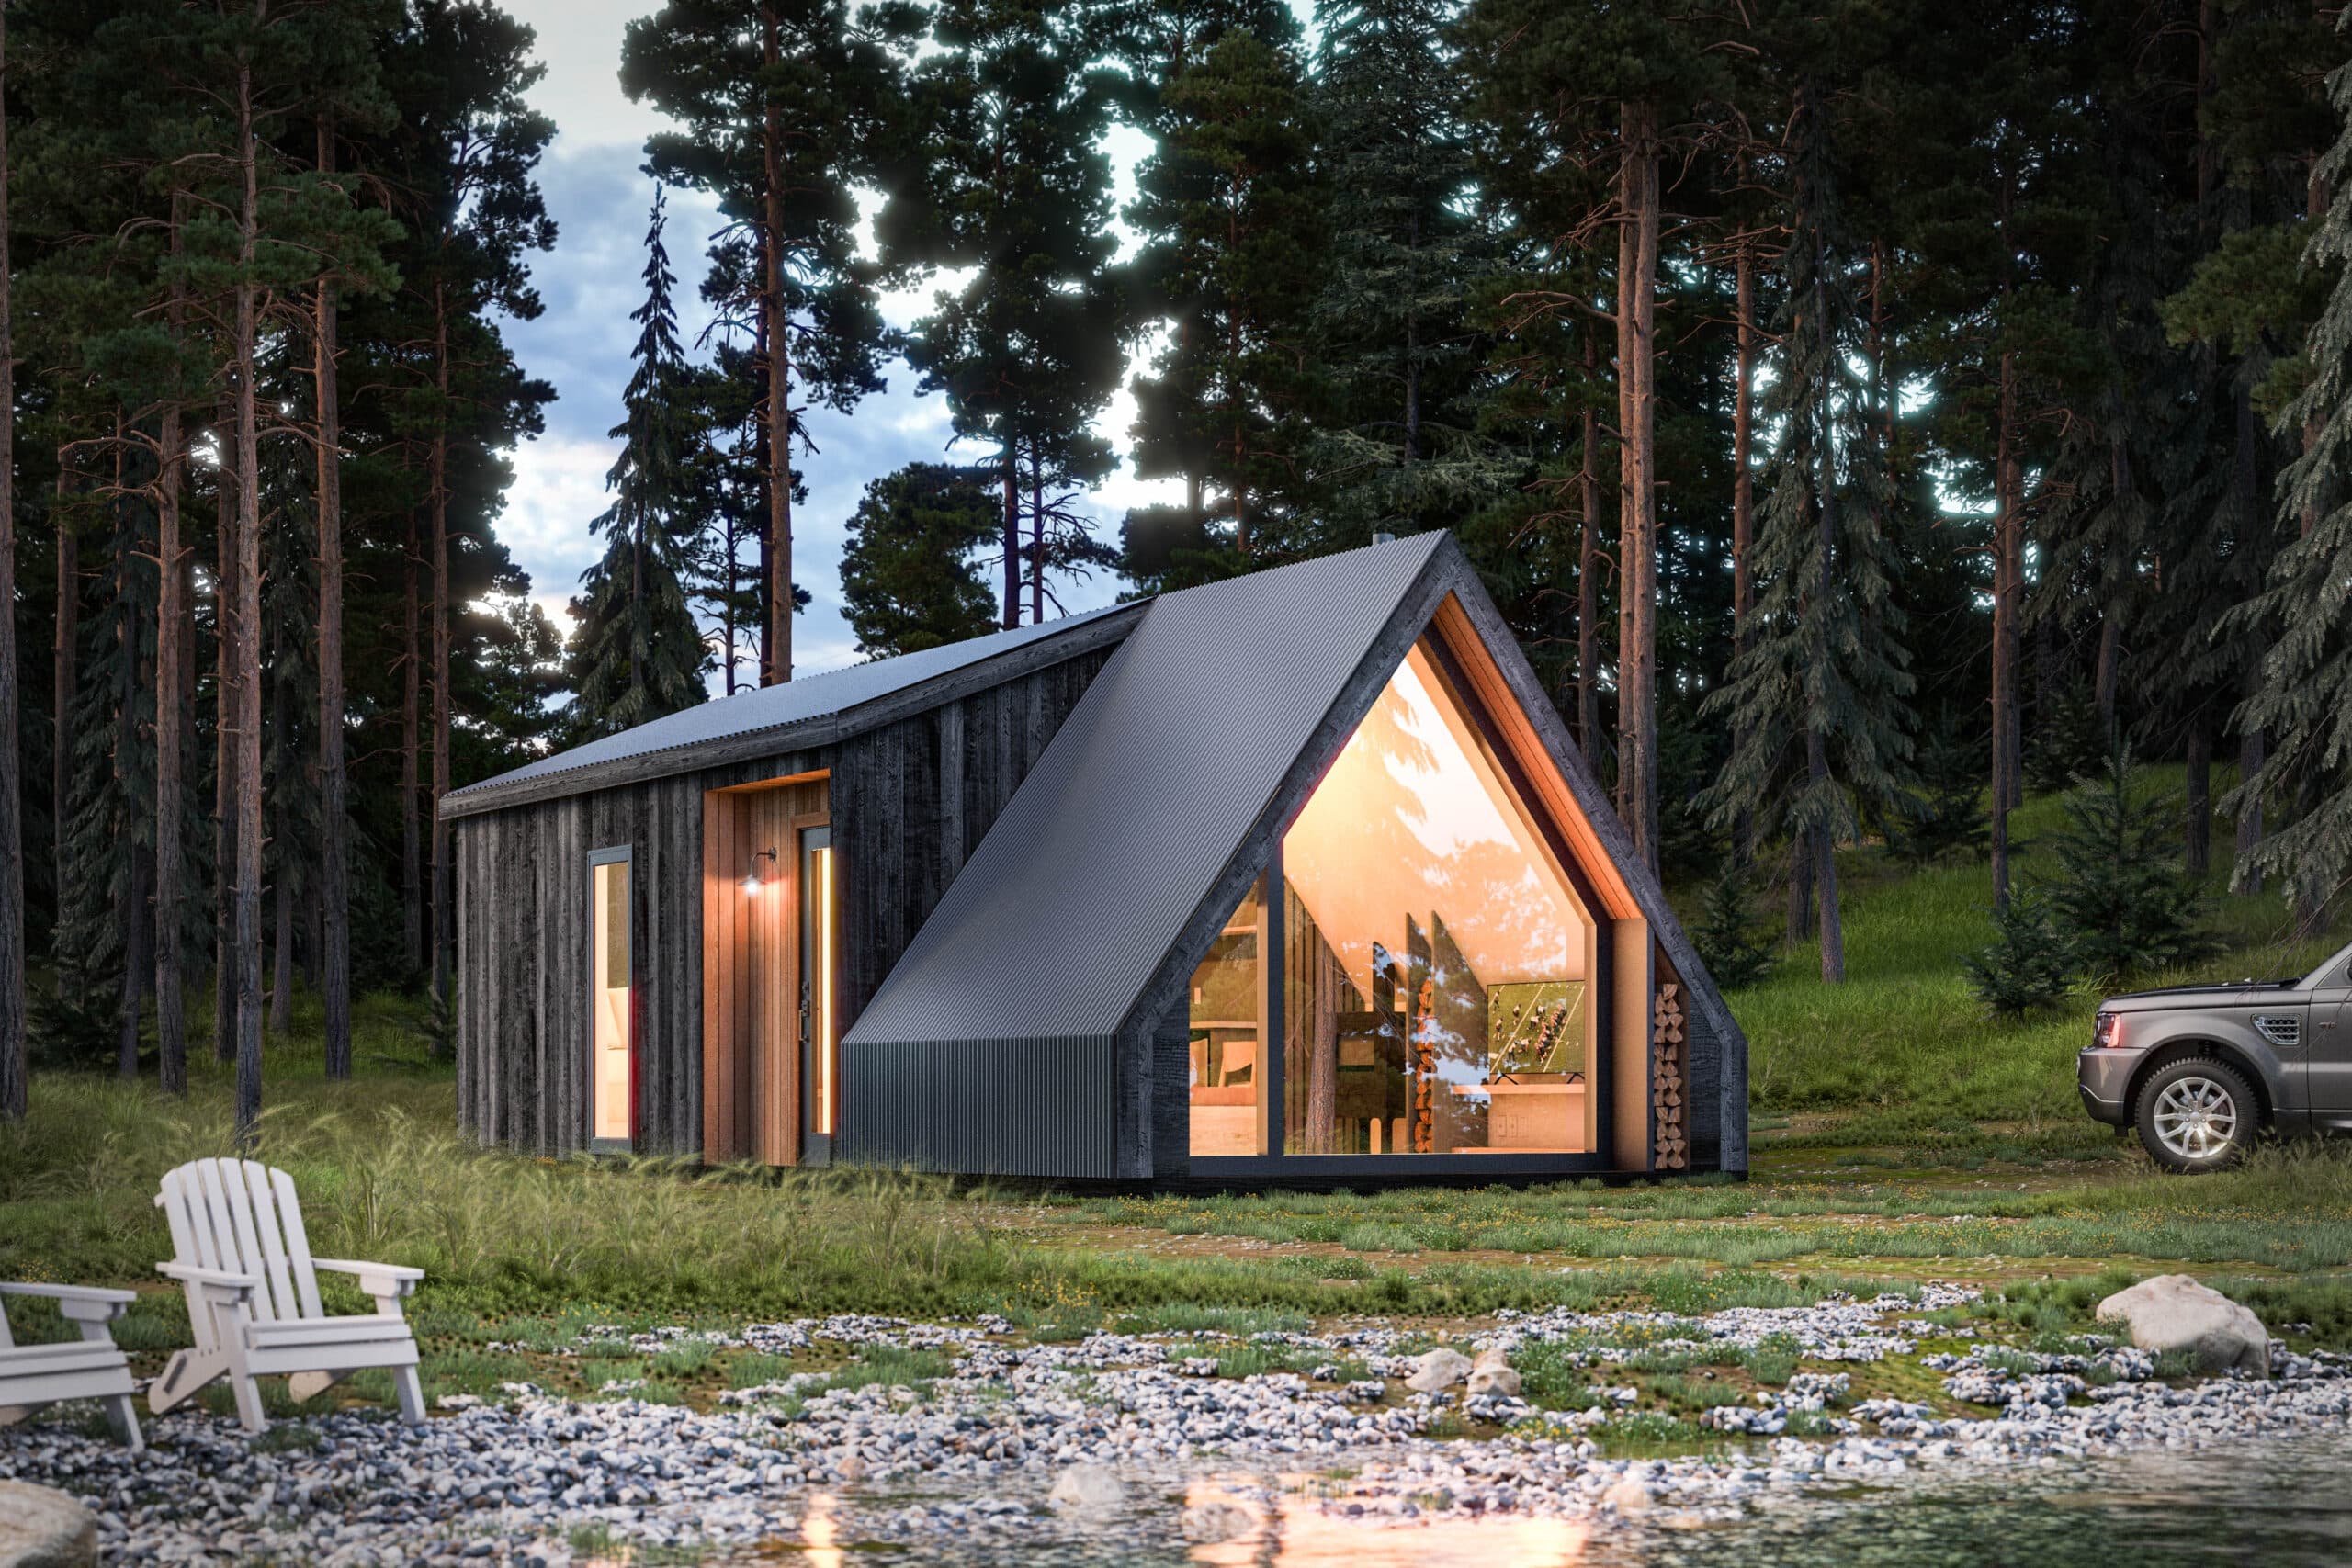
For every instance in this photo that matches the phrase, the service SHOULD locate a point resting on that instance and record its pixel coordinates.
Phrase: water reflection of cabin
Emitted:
(1294, 877)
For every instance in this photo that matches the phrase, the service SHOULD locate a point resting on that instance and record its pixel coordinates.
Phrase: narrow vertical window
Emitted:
(819, 1036)
(1227, 1036)
(612, 1076)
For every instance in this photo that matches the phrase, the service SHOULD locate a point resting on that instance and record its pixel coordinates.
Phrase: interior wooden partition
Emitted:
(751, 963)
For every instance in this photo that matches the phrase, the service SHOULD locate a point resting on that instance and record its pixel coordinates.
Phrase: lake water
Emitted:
(2281, 1504)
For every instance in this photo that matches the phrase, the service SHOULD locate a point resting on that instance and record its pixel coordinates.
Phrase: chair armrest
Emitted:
(376, 1279)
(91, 1306)
(67, 1292)
(220, 1278)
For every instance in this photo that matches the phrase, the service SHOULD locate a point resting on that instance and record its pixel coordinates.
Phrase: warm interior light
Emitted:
(824, 858)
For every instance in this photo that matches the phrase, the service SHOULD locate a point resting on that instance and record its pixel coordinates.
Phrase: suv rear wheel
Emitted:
(2197, 1115)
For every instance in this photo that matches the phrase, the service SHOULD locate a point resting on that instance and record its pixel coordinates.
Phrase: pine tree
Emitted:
(909, 580)
(2032, 963)
(2119, 892)
(787, 106)
(1727, 938)
(1585, 110)
(1945, 815)
(639, 652)
(1231, 205)
(1013, 186)
(1817, 700)
(2304, 700)
(1399, 449)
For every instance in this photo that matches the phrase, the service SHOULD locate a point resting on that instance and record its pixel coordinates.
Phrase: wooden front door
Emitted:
(755, 1084)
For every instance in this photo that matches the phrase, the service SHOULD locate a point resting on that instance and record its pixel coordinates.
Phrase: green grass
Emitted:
(1904, 1038)
(1904, 1137)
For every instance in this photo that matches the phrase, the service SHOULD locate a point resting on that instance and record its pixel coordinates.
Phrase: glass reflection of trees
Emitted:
(1416, 880)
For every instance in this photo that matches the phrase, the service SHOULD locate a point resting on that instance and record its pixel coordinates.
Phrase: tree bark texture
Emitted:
(12, 1071)
(227, 678)
(333, 954)
(444, 938)
(171, 699)
(779, 340)
(245, 627)
(1589, 557)
(1637, 527)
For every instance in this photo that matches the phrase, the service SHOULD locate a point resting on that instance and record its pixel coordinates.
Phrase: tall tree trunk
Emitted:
(1817, 743)
(2007, 595)
(1637, 527)
(332, 953)
(65, 684)
(13, 1070)
(761, 444)
(779, 337)
(245, 623)
(1037, 534)
(2197, 851)
(411, 703)
(135, 960)
(1012, 535)
(1743, 502)
(226, 678)
(171, 678)
(444, 938)
(1801, 864)
(1589, 559)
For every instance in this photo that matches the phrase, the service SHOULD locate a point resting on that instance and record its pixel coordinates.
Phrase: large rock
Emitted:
(1493, 1373)
(1087, 1489)
(43, 1528)
(2173, 1311)
(1438, 1369)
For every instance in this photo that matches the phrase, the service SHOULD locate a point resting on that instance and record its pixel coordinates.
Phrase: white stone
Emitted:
(43, 1528)
(2173, 1311)
(1091, 1487)
(1493, 1373)
(1439, 1368)
(1630, 1495)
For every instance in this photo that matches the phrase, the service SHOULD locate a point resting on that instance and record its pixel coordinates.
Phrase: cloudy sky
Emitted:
(598, 195)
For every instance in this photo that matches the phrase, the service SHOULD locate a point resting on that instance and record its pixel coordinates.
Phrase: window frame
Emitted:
(1600, 1071)
(622, 855)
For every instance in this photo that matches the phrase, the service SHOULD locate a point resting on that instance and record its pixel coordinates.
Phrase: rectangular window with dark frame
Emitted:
(612, 1046)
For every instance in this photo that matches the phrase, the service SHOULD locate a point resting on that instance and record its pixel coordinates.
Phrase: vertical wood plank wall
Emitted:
(910, 803)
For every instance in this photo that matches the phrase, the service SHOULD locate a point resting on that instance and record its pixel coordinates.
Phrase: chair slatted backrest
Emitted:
(241, 1217)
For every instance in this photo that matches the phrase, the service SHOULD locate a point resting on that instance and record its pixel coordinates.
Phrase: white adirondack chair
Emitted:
(252, 1295)
(92, 1367)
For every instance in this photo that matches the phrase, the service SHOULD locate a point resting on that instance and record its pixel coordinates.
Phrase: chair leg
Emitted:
(125, 1422)
(410, 1393)
(185, 1375)
(247, 1388)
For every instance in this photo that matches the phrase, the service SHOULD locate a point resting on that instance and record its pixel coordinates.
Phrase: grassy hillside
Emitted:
(1905, 1045)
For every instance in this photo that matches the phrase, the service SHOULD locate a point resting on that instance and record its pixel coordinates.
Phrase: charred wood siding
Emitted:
(910, 800)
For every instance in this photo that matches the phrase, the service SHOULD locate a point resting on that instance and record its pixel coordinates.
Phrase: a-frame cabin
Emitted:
(1296, 877)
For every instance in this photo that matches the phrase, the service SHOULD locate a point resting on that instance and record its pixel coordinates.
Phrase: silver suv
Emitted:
(2201, 1069)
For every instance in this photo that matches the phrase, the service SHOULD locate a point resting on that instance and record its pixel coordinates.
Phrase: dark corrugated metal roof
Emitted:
(1075, 897)
(794, 702)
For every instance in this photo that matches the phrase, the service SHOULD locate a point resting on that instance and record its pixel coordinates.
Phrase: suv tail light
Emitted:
(2107, 1030)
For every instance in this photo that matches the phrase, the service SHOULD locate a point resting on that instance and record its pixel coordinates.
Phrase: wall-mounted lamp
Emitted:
(752, 877)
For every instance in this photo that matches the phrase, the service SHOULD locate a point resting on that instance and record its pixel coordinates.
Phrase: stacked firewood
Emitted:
(1673, 1146)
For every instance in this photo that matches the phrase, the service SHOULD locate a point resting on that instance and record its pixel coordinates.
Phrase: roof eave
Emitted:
(826, 729)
